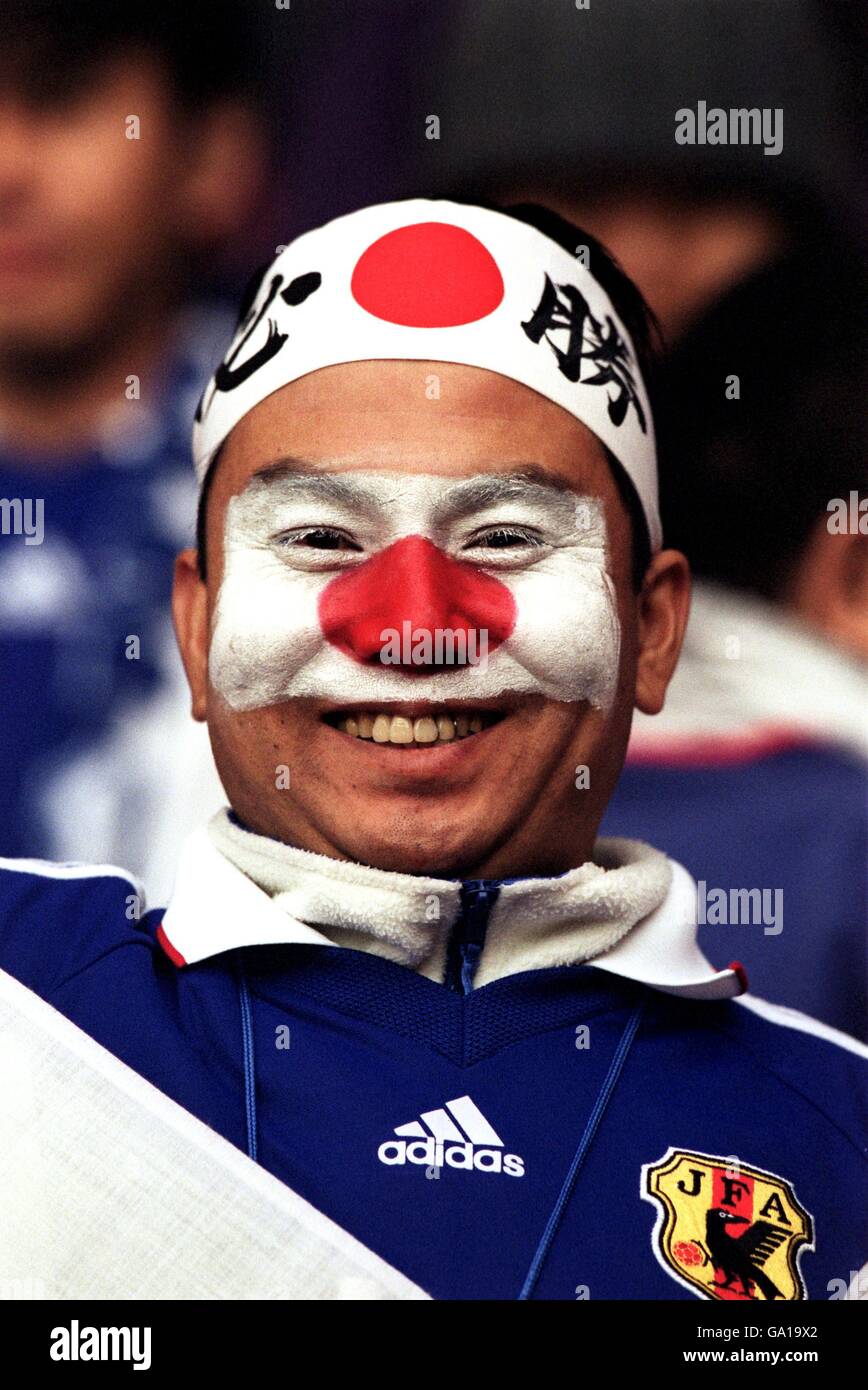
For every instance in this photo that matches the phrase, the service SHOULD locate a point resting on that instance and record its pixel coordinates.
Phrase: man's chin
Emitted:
(422, 852)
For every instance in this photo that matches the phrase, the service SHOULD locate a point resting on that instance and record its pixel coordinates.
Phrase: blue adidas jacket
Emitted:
(556, 1134)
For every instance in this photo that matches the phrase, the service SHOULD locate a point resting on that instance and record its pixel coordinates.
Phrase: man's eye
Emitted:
(319, 538)
(504, 538)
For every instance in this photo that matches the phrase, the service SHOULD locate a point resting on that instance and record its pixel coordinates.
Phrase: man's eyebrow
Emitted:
(287, 466)
(527, 483)
(311, 480)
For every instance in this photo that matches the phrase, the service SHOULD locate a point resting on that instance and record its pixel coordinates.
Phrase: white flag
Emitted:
(109, 1189)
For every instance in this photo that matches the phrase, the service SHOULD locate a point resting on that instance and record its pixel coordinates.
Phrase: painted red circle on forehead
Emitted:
(428, 275)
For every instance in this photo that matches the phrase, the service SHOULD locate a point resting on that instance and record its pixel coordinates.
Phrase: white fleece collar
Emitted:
(632, 912)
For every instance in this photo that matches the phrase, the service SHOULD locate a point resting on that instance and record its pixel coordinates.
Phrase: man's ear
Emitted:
(190, 616)
(662, 608)
(829, 590)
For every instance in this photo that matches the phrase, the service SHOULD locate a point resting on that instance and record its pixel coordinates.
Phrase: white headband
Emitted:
(447, 282)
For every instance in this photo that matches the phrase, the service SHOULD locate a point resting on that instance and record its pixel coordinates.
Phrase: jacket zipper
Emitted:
(467, 938)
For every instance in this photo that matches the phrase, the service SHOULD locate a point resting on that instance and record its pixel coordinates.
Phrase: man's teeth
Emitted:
(398, 728)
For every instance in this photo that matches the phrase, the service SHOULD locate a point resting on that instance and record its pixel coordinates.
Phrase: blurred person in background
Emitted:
(131, 153)
(763, 744)
(756, 770)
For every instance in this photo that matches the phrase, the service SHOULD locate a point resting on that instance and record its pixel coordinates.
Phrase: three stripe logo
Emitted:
(456, 1135)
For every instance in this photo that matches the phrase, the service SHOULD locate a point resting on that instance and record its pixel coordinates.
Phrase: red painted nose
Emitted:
(413, 582)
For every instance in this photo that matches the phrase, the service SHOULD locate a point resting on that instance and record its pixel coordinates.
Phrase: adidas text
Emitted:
(433, 1153)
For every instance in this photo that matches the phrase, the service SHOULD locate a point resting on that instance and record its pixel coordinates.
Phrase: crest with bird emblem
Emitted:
(727, 1230)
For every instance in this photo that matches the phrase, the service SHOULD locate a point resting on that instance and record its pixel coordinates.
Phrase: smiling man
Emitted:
(400, 971)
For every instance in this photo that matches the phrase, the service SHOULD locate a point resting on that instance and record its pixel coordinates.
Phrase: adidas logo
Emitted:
(458, 1135)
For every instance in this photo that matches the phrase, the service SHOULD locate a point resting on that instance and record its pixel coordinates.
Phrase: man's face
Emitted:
(471, 501)
(101, 182)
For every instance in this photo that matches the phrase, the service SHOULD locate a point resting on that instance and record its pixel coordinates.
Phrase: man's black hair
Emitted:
(633, 312)
(210, 48)
(202, 516)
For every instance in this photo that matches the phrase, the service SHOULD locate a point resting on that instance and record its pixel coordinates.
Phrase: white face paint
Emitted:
(267, 642)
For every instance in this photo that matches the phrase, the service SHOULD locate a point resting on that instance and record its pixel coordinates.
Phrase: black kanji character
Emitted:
(587, 340)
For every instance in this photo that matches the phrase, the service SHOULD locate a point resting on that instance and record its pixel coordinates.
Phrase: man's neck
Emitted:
(527, 854)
